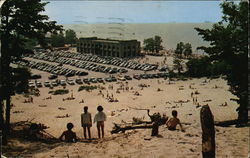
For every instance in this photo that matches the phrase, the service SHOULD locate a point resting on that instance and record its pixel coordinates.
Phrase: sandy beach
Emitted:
(159, 96)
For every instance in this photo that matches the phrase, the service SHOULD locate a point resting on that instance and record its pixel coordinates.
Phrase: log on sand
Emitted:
(122, 128)
(226, 123)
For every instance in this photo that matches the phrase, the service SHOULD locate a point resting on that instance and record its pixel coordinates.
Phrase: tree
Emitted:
(158, 44)
(183, 49)
(187, 49)
(148, 44)
(229, 43)
(199, 67)
(70, 37)
(57, 40)
(153, 44)
(20, 19)
(178, 65)
(179, 49)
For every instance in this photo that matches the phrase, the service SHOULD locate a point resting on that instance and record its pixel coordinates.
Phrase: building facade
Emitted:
(108, 47)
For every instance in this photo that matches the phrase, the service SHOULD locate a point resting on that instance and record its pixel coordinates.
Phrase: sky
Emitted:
(92, 12)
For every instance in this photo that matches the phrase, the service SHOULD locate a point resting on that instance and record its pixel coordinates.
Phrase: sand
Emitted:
(230, 141)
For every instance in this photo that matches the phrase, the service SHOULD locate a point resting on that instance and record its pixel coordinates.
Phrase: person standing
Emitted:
(86, 122)
(100, 117)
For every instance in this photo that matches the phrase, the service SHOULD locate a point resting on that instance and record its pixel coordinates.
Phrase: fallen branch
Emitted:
(226, 123)
(117, 128)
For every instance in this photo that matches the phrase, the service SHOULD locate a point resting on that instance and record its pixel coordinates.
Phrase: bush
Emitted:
(59, 92)
(87, 88)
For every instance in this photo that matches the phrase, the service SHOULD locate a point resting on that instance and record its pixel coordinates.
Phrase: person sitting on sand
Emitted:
(86, 122)
(100, 117)
(69, 135)
(174, 121)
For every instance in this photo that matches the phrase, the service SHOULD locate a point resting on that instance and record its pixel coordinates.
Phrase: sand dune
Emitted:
(230, 141)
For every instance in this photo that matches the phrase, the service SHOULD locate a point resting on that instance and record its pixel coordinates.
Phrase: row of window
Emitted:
(105, 46)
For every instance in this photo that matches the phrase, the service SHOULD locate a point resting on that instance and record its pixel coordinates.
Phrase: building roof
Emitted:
(106, 40)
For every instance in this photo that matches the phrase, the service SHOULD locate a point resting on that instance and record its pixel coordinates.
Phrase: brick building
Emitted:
(108, 47)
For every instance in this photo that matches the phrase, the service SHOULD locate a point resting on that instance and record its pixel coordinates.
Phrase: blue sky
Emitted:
(80, 12)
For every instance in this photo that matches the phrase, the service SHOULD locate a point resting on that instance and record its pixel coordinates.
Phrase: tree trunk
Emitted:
(208, 132)
(7, 114)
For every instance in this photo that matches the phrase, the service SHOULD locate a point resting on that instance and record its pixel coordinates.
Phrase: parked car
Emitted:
(46, 84)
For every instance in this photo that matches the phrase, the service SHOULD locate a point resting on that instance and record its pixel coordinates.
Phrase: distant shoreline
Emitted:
(171, 33)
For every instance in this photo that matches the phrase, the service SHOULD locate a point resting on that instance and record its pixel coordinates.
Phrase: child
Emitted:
(86, 122)
(69, 135)
(173, 122)
(100, 117)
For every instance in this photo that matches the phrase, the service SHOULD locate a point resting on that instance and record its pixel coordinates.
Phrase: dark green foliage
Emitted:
(153, 44)
(20, 78)
(179, 48)
(87, 88)
(70, 37)
(229, 43)
(183, 49)
(157, 44)
(20, 20)
(57, 40)
(198, 67)
(149, 44)
(203, 67)
(187, 49)
(59, 92)
(178, 64)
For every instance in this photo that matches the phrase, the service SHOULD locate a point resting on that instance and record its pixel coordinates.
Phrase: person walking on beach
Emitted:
(86, 122)
(174, 121)
(69, 135)
(100, 117)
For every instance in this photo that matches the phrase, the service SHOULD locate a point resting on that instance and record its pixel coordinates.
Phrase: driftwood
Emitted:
(226, 123)
(208, 132)
(118, 128)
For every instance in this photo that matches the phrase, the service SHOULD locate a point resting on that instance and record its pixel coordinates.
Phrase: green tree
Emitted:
(179, 49)
(199, 67)
(57, 40)
(70, 37)
(187, 49)
(148, 44)
(158, 44)
(178, 65)
(20, 19)
(229, 43)
(153, 44)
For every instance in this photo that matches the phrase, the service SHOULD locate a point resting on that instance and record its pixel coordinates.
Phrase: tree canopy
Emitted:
(20, 20)
(229, 43)
(183, 49)
(57, 40)
(153, 44)
(70, 37)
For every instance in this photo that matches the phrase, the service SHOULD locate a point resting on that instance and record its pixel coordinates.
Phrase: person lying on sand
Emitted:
(69, 135)
(173, 122)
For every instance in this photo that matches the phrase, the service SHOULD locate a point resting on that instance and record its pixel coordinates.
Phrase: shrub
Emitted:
(59, 92)
(87, 88)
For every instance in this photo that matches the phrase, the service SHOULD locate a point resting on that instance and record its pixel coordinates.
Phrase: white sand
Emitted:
(230, 141)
